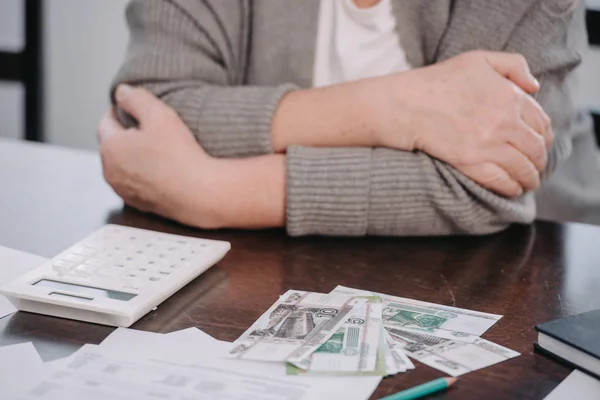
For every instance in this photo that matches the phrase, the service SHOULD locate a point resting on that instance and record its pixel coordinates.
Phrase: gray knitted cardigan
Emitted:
(224, 65)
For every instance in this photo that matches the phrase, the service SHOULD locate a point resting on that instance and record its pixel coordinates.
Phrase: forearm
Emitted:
(332, 116)
(360, 191)
(351, 114)
(237, 193)
(343, 191)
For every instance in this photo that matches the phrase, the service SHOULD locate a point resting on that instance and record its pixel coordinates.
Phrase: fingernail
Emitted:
(123, 91)
(534, 80)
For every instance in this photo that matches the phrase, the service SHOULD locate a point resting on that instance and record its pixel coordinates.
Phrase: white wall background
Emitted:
(85, 44)
(85, 41)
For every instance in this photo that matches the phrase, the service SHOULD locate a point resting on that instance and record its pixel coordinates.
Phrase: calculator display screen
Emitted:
(86, 290)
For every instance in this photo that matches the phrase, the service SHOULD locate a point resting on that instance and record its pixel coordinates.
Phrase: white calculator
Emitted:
(115, 276)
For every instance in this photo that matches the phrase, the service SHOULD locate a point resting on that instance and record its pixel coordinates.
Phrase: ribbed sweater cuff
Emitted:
(234, 122)
(328, 191)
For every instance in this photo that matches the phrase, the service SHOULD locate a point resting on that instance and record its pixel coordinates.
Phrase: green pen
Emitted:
(422, 390)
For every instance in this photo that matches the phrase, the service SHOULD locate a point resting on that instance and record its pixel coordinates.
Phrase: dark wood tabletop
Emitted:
(52, 197)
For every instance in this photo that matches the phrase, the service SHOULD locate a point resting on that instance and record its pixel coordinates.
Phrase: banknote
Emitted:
(295, 326)
(386, 364)
(398, 354)
(426, 335)
(354, 348)
(429, 318)
(391, 367)
(456, 358)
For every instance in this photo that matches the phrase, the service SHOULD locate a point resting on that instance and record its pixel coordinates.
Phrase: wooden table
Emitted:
(51, 197)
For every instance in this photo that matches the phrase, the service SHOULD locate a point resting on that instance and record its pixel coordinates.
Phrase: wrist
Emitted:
(192, 203)
(368, 100)
(389, 111)
(238, 193)
(331, 116)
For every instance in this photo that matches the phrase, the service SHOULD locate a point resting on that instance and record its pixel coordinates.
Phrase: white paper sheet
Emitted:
(12, 264)
(576, 386)
(189, 363)
(96, 375)
(189, 344)
(20, 365)
(191, 334)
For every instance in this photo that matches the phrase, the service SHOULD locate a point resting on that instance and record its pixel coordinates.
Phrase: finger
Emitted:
(518, 166)
(496, 179)
(534, 115)
(109, 126)
(139, 103)
(515, 68)
(531, 144)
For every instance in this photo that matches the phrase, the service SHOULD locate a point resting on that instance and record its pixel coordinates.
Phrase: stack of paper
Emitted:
(19, 365)
(135, 365)
(14, 263)
(355, 332)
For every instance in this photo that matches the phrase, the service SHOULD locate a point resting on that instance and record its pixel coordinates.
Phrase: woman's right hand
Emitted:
(474, 112)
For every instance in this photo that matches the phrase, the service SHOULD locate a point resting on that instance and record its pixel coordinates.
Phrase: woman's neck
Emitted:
(365, 3)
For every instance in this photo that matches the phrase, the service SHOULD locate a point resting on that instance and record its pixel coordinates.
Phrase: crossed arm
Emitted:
(354, 151)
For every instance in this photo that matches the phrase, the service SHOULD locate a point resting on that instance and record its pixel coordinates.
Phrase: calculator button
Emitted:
(154, 279)
(64, 264)
(84, 251)
(83, 271)
(74, 258)
(62, 267)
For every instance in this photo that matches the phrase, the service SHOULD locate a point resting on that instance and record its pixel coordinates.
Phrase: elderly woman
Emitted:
(348, 117)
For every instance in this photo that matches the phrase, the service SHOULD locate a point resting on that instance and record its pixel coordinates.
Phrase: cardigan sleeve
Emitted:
(191, 55)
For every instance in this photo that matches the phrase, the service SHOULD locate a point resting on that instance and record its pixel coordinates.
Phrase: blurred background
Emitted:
(78, 46)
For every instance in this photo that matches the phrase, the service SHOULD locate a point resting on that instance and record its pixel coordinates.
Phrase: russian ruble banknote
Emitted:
(426, 318)
(397, 353)
(454, 357)
(431, 328)
(357, 332)
(295, 326)
(357, 348)
(353, 348)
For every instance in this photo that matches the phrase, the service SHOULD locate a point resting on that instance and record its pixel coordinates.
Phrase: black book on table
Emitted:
(574, 340)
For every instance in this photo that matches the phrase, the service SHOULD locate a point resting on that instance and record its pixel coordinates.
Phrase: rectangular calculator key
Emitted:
(74, 258)
(84, 251)
(114, 276)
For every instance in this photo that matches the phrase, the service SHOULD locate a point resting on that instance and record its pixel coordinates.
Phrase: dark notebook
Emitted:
(574, 339)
